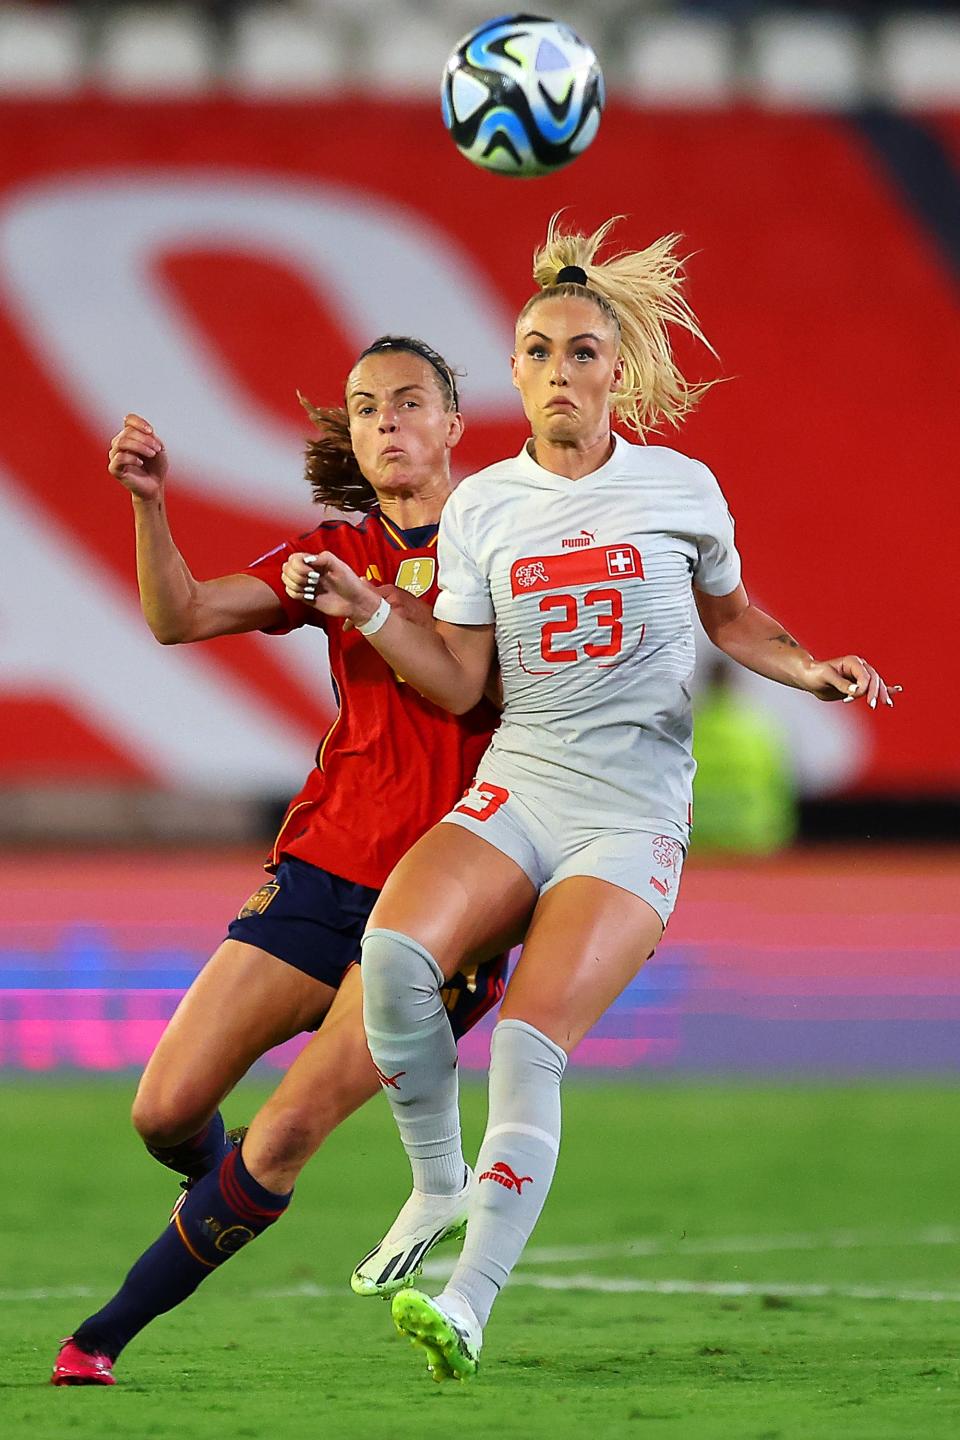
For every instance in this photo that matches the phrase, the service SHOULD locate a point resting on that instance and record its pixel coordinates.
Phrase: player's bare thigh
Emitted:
(586, 942)
(330, 1078)
(457, 896)
(243, 1002)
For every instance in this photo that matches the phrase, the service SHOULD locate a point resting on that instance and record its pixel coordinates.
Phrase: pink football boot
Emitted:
(74, 1366)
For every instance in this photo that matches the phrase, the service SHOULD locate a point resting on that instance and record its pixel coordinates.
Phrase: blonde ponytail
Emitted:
(641, 291)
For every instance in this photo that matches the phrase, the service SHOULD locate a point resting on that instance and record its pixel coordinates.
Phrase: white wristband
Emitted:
(377, 620)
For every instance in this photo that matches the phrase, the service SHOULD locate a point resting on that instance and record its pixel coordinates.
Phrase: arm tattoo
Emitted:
(784, 639)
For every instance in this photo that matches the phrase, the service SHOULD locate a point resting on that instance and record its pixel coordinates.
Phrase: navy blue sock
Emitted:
(224, 1211)
(197, 1156)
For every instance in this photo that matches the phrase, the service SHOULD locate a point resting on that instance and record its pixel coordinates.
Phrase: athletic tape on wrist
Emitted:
(377, 620)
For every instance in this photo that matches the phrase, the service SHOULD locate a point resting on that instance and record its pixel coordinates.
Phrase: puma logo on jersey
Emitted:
(581, 541)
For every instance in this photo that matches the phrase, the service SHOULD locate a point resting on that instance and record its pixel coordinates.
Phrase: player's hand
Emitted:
(850, 678)
(138, 459)
(325, 583)
(418, 612)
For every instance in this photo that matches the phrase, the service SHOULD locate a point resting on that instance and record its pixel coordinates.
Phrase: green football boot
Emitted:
(451, 1340)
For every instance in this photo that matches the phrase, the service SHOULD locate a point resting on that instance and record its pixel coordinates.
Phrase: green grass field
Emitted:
(746, 1263)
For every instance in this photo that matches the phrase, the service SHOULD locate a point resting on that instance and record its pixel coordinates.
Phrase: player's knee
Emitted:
(401, 980)
(166, 1118)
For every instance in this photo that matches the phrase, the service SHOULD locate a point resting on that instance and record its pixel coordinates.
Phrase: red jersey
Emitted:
(392, 763)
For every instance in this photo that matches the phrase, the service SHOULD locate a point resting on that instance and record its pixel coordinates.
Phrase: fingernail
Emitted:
(872, 704)
(309, 559)
(852, 688)
(848, 698)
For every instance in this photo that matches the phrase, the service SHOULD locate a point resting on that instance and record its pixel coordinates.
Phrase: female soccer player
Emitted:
(576, 560)
(289, 961)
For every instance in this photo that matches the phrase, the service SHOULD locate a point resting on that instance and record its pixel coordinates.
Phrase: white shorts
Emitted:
(550, 847)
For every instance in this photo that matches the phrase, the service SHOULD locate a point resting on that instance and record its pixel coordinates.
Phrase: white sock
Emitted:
(414, 1050)
(515, 1165)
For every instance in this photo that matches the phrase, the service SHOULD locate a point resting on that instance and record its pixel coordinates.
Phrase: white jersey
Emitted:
(589, 584)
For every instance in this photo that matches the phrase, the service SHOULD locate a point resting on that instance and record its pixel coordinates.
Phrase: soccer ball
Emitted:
(522, 95)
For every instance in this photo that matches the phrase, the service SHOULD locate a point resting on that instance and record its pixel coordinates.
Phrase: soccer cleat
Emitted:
(424, 1222)
(74, 1366)
(236, 1138)
(451, 1340)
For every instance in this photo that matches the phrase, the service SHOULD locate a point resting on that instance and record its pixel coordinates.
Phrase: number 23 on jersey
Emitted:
(599, 609)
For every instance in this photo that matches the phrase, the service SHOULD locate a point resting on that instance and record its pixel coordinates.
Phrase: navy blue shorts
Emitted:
(315, 921)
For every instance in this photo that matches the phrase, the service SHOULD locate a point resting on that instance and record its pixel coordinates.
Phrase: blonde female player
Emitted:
(576, 560)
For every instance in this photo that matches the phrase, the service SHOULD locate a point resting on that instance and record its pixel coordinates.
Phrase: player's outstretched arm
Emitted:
(449, 664)
(760, 643)
(176, 606)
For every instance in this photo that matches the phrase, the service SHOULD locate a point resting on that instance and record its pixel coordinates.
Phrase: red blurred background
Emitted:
(827, 294)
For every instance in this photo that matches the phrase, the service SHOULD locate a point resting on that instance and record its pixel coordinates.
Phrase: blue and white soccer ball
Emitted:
(522, 95)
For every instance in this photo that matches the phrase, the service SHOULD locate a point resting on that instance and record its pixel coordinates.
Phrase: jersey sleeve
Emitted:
(464, 597)
(268, 569)
(717, 569)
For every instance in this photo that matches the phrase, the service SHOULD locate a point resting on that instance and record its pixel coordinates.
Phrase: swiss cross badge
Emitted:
(621, 562)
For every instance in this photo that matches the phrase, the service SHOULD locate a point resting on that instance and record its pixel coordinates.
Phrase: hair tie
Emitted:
(571, 275)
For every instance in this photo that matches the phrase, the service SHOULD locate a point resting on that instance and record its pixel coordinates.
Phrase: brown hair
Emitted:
(331, 467)
(641, 293)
